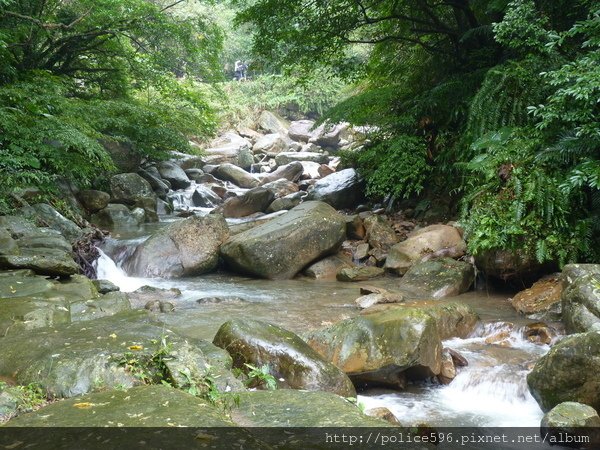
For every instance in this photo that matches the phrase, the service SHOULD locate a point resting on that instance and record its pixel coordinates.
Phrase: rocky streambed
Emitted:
(255, 267)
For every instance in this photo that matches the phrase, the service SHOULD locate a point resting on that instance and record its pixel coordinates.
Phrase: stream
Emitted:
(491, 391)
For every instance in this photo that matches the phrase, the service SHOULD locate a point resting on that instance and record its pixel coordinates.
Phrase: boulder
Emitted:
(291, 172)
(272, 123)
(229, 148)
(328, 135)
(581, 298)
(301, 130)
(289, 157)
(205, 197)
(281, 187)
(287, 202)
(328, 268)
(105, 286)
(361, 273)
(142, 406)
(109, 352)
(289, 408)
(17, 225)
(185, 248)
(94, 201)
(438, 278)
(235, 174)
(160, 188)
(379, 232)
(8, 246)
(371, 295)
(432, 239)
(43, 261)
(568, 372)
(129, 188)
(290, 360)
(385, 348)
(270, 144)
(566, 416)
(311, 170)
(355, 228)
(95, 308)
(174, 175)
(343, 189)
(254, 201)
(282, 247)
(543, 296)
(50, 217)
(114, 216)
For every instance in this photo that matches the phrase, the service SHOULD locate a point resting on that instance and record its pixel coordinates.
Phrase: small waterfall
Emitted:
(107, 269)
(491, 391)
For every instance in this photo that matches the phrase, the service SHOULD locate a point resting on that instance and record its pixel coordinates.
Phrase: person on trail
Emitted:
(238, 69)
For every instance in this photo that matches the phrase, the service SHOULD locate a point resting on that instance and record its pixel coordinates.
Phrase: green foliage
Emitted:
(515, 202)
(290, 95)
(260, 376)
(523, 27)
(396, 166)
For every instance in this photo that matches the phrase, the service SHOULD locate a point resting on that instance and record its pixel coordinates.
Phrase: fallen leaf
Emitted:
(83, 405)
(136, 347)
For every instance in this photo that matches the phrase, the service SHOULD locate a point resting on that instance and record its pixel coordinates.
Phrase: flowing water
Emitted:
(490, 391)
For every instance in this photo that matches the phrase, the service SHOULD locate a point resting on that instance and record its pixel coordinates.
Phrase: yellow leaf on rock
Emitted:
(83, 405)
(136, 347)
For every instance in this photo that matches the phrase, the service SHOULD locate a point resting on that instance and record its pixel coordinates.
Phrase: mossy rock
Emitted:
(438, 278)
(291, 361)
(362, 273)
(581, 299)
(379, 348)
(290, 408)
(114, 351)
(568, 372)
(282, 247)
(142, 406)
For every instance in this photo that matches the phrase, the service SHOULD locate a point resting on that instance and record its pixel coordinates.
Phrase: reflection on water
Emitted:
(490, 391)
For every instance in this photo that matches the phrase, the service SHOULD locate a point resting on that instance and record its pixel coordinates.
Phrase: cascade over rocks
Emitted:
(184, 248)
(282, 247)
(291, 361)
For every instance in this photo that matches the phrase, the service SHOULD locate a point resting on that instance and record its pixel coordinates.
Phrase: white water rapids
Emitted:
(490, 391)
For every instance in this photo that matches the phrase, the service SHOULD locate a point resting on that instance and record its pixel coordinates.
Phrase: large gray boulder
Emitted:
(154, 406)
(114, 216)
(94, 201)
(271, 144)
(442, 240)
(343, 189)
(328, 135)
(291, 172)
(129, 188)
(50, 217)
(282, 247)
(438, 278)
(569, 415)
(272, 123)
(184, 248)
(380, 348)
(109, 352)
(251, 202)
(235, 174)
(568, 372)
(159, 186)
(301, 130)
(290, 360)
(288, 157)
(281, 187)
(229, 148)
(581, 297)
(174, 175)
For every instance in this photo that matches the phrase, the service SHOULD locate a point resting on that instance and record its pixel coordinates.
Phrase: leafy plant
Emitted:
(260, 376)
